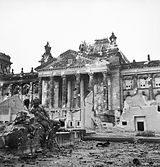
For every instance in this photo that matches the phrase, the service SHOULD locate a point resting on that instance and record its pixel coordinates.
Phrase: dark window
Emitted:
(70, 123)
(140, 126)
(53, 112)
(124, 123)
(62, 123)
(78, 123)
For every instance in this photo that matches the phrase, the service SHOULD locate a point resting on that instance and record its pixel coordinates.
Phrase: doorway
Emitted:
(140, 126)
(139, 123)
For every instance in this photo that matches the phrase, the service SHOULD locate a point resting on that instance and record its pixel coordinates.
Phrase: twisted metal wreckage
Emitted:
(29, 133)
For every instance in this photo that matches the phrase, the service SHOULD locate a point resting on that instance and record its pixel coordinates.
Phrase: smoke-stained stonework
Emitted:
(83, 82)
(89, 87)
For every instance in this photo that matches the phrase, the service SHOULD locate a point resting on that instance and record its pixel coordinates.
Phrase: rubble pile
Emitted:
(25, 135)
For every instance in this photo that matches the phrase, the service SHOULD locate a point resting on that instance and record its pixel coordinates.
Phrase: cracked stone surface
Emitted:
(87, 154)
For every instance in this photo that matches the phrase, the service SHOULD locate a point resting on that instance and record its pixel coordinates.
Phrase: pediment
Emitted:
(69, 59)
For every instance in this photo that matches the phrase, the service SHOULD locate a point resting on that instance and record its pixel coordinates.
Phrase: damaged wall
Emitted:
(140, 114)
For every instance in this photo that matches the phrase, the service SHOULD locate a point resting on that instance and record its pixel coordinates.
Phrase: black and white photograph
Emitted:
(79, 83)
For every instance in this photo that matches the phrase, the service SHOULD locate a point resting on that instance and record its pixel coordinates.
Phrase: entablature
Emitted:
(72, 71)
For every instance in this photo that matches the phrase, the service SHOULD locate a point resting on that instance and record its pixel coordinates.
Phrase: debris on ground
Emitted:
(104, 144)
(86, 153)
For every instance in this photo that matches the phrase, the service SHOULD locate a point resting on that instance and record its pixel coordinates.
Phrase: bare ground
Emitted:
(87, 154)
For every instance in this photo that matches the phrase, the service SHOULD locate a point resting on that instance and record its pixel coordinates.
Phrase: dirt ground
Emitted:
(88, 154)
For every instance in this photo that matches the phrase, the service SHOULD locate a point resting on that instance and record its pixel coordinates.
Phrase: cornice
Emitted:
(143, 64)
(136, 71)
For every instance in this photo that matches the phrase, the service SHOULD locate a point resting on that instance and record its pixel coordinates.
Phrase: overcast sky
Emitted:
(27, 25)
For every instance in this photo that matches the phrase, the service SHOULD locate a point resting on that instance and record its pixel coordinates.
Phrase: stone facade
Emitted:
(14, 88)
(23, 84)
(84, 87)
(141, 92)
(140, 114)
(89, 87)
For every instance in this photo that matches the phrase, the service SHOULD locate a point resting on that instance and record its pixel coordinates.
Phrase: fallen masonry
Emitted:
(87, 153)
(25, 135)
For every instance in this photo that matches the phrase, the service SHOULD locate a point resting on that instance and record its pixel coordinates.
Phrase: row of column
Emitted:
(20, 88)
(79, 92)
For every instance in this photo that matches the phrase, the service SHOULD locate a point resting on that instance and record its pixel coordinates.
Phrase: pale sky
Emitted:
(27, 25)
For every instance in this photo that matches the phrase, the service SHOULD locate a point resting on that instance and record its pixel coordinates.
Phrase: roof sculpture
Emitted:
(102, 51)
(47, 55)
(100, 46)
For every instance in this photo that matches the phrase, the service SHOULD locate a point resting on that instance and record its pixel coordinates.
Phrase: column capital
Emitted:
(77, 77)
(91, 74)
(77, 74)
(105, 73)
(150, 76)
(63, 76)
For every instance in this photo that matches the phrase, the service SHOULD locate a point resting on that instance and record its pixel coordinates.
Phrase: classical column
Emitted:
(77, 86)
(150, 84)
(90, 84)
(69, 94)
(56, 93)
(109, 94)
(82, 91)
(105, 90)
(91, 88)
(82, 102)
(64, 91)
(51, 91)
(10, 89)
(40, 88)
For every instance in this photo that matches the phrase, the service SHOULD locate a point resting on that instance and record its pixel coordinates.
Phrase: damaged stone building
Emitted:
(14, 88)
(141, 95)
(83, 87)
(99, 86)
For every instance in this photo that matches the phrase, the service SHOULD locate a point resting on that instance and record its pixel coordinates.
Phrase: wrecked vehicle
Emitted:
(26, 135)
